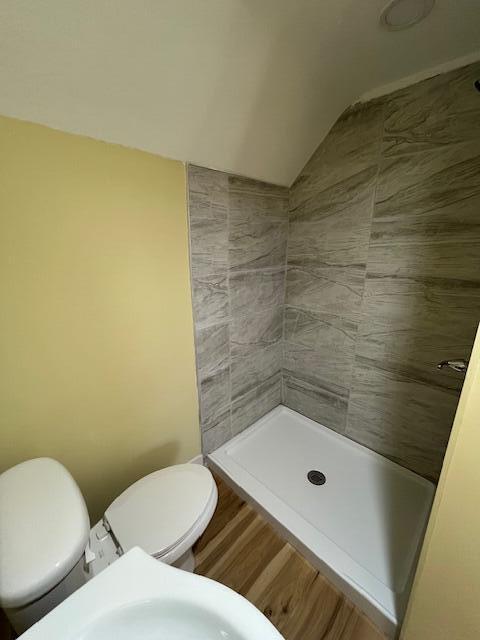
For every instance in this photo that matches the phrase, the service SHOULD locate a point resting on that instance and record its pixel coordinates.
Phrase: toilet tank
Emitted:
(44, 530)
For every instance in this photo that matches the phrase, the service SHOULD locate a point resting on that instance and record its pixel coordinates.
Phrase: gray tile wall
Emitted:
(384, 269)
(238, 236)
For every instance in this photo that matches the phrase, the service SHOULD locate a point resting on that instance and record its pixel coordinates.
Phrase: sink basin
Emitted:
(140, 598)
(161, 619)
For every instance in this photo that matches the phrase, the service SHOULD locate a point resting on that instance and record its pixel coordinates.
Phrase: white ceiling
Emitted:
(249, 86)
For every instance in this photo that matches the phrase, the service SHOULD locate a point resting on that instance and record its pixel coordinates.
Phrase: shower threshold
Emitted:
(356, 516)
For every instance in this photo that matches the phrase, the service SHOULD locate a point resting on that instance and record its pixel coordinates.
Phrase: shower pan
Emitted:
(356, 516)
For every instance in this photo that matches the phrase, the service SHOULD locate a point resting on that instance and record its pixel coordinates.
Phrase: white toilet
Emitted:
(47, 549)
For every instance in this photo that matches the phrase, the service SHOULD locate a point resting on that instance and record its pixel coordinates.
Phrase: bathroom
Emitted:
(244, 236)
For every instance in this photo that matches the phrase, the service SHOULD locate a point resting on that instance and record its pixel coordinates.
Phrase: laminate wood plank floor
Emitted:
(242, 550)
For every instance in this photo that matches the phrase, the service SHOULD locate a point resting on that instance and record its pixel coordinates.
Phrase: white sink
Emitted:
(140, 598)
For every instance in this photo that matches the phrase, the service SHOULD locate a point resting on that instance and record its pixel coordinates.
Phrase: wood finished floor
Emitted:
(241, 550)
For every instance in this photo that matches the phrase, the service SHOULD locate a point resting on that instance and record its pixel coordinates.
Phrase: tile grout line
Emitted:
(282, 370)
(274, 269)
(230, 434)
(372, 212)
(194, 320)
(270, 311)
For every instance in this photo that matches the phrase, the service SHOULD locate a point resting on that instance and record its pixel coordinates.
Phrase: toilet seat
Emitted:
(164, 512)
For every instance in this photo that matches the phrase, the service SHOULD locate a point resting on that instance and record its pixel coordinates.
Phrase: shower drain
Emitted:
(316, 477)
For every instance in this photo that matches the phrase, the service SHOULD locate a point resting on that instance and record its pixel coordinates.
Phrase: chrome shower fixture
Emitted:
(457, 365)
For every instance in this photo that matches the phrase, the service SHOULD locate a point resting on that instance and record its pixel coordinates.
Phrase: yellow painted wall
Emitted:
(445, 600)
(96, 336)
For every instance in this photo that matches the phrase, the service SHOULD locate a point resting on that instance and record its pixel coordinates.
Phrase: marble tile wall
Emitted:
(383, 275)
(238, 237)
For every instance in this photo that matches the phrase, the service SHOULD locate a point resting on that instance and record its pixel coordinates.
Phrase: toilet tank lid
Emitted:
(44, 529)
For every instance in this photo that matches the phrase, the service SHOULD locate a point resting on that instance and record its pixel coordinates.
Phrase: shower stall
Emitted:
(333, 324)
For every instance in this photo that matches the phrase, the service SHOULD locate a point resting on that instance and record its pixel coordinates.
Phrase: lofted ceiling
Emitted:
(248, 86)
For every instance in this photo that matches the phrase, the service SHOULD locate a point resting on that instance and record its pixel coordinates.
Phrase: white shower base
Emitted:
(363, 528)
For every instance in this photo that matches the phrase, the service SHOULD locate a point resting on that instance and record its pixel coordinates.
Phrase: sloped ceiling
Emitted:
(249, 86)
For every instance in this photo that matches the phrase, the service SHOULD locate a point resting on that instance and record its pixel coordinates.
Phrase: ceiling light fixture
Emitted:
(401, 14)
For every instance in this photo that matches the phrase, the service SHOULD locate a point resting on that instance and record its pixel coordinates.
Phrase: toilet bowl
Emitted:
(48, 550)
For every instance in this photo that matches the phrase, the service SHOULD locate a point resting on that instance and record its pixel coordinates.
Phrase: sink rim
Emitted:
(135, 577)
